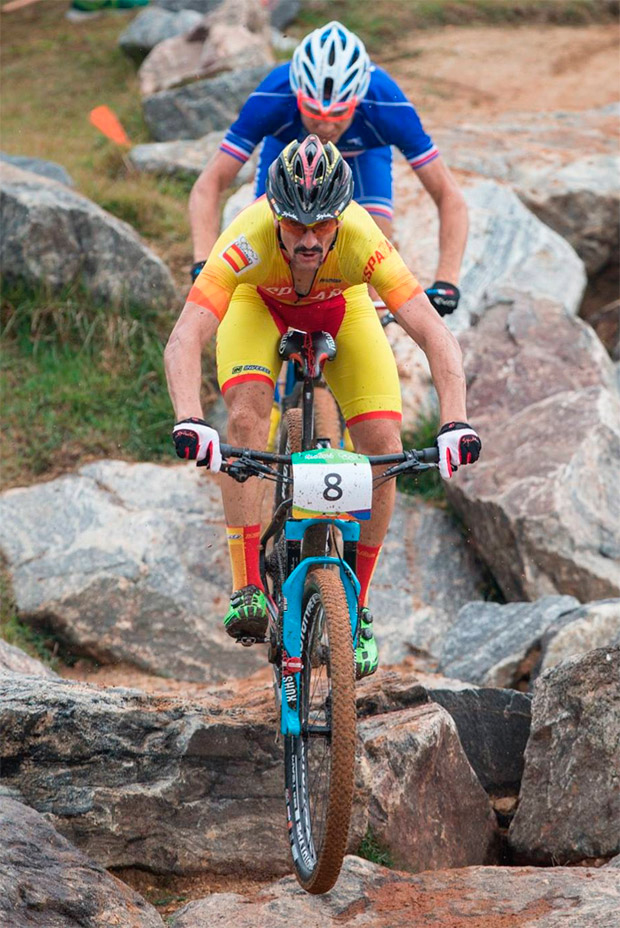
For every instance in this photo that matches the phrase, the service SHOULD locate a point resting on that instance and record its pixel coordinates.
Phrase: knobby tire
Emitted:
(320, 767)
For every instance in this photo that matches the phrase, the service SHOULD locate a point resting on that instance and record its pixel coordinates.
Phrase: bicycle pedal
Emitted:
(248, 640)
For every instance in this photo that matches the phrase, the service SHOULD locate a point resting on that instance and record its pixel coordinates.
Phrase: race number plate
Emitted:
(330, 483)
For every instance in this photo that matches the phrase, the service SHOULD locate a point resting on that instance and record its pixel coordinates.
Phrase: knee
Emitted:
(248, 422)
(377, 436)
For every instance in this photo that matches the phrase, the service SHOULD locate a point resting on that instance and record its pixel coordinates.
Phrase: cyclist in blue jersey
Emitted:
(331, 89)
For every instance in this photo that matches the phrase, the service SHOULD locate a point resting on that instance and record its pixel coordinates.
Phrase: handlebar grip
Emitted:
(429, 455)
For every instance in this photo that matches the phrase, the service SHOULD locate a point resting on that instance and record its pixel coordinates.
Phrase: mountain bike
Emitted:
(308, 564)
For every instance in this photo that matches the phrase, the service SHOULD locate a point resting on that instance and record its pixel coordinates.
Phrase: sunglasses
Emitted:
(337, 112)
(324, 227)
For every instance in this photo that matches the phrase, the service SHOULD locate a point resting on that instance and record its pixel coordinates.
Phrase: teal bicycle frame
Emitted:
(292, 590)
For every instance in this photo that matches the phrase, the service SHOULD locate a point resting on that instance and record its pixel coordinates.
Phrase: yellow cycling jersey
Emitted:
(249, 252)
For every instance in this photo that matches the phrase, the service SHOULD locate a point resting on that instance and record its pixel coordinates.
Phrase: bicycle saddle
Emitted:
(310, 349)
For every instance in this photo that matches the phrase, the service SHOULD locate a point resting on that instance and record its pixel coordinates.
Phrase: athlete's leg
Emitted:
(364, 380)
(248, 365)
(377, 436)
(249, 410)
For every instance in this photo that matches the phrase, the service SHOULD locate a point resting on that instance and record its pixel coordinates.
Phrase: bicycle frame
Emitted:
(292, 591)
(288, 663)
(293, 586)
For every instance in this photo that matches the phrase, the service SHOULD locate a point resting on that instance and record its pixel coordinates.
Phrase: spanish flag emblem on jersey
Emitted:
(240, 255)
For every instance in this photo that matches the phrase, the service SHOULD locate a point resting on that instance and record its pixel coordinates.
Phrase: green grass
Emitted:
(85, 381)
(372, 849)
(53, 74)
(14, 632)
(390, 21)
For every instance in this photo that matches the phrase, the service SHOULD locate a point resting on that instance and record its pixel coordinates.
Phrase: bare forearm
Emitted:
(443, 352)
(453, 228)
(204, 217)
(453, 220)
(183, 364)
(444, 358)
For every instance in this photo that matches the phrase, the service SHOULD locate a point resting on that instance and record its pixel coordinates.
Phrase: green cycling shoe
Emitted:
(366, 653)
(247, 615)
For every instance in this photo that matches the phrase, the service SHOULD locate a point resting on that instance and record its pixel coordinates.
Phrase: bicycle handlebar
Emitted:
(425, 456)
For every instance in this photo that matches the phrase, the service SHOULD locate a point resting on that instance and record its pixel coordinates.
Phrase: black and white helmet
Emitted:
(331, 65)
(309, 182)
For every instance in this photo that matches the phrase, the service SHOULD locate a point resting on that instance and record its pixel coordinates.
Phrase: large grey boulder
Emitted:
(426, 572)
(48, 169)
(563, 165)
(152, 26)
(424, 822)
(281, 12)
(569, 805)
(542, 504)
(595, 625)
(158, 783)
(489, 644)
(152, 782)
(234, 35)
(14, 660)
(369, 896)
(204, 106)
(127, 562)
(508, 250)
(47, 883)
(493, 724)
(54, 237)
(186, 157)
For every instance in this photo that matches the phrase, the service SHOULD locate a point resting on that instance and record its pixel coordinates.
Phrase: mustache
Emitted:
(299, 249)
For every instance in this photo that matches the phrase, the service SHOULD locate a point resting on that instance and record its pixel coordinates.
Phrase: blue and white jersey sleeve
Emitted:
(270, 110)
(393, 119)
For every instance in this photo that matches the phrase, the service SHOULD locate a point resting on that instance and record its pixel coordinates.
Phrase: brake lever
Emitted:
(235, 470)
(413, 464)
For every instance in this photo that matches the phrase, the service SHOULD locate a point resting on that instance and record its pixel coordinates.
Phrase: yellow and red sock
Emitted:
(243, 548)
(367, 557)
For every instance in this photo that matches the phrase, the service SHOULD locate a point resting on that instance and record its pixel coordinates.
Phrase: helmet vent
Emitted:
(335, 54)
(309, 182)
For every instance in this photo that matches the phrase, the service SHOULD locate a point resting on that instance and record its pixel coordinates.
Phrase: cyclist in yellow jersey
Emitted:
(303, 257)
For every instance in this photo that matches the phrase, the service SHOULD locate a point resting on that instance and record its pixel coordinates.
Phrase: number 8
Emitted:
(332, 491)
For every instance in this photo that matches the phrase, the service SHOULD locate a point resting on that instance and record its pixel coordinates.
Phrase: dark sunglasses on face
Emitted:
(324, 227)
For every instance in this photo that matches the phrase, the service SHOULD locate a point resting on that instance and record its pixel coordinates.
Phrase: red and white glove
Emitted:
(458, 444)
(194, 440)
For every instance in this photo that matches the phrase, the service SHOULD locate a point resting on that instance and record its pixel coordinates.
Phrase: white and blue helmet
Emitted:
(331, 65)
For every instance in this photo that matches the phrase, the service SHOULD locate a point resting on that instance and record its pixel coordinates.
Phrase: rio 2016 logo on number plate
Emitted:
(332, 483)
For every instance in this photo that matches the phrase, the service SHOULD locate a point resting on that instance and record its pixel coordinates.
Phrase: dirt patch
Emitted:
(169, 893)
(464, 74)
(449, 908)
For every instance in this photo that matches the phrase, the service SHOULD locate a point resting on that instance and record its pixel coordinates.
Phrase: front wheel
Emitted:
(320, 763)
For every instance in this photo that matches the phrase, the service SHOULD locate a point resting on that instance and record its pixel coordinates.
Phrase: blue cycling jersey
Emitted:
(383, 118)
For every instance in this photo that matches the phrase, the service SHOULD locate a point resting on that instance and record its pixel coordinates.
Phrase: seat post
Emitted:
(307, 413)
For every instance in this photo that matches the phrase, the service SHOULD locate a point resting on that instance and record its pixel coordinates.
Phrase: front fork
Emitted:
(292, 591)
